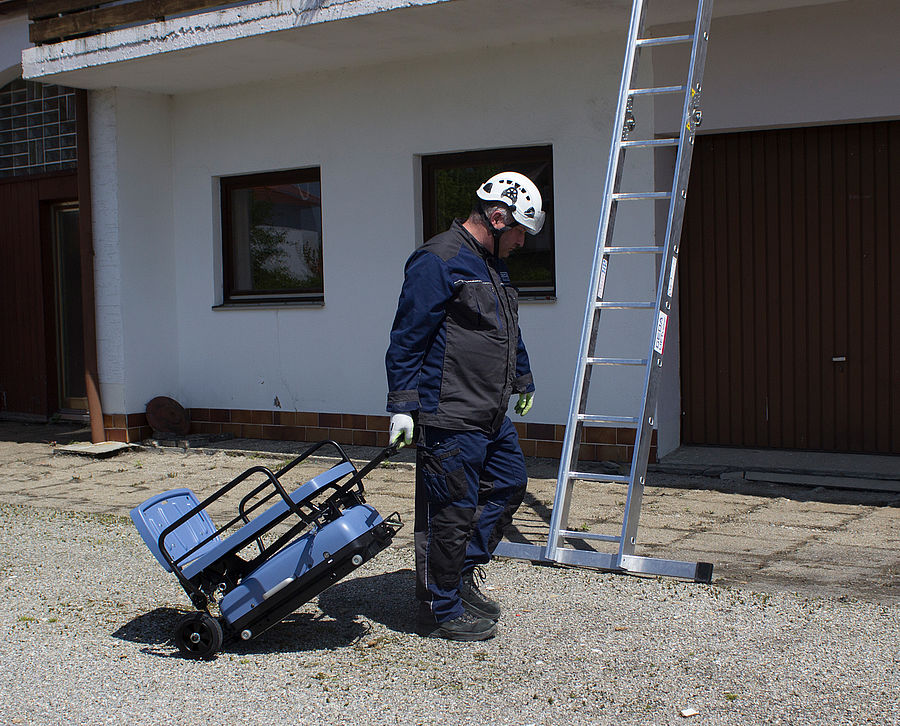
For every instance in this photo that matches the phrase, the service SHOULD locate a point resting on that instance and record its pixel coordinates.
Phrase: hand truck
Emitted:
(278, 552)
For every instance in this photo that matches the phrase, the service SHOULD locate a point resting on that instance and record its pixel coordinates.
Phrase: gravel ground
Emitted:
(86, 616)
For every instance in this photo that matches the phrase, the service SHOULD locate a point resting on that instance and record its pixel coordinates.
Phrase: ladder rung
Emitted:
(585, 476)
(654, 249)
(666, 40)
(589, 535)
(650, 142)
(625, 305)
(626, 196)
(617, 361)
(656, 90)
(603, 418)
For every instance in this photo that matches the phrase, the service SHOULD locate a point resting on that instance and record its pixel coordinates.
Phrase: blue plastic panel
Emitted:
(158, 512)
(295, 560)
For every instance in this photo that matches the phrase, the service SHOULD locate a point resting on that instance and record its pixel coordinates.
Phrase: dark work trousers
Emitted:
(468, 486)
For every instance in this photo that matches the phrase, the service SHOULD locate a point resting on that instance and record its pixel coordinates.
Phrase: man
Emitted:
(455, 358)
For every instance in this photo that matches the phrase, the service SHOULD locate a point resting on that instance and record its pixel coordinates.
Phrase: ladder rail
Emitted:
(558, 547)
(665, 285)
(572, 438)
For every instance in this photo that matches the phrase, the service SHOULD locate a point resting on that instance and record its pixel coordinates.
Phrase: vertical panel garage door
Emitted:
(790, 290)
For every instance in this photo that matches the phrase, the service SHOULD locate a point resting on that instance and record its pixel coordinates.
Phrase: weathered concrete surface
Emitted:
(823, 541)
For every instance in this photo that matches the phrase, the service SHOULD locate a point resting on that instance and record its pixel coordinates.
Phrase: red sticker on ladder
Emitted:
(661, 322)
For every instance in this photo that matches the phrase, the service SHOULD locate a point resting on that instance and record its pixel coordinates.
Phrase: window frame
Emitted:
(232, 297)
(505, 159)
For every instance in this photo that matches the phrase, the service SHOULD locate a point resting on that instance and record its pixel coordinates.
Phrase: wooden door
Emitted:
(790, 290)
(28, 343)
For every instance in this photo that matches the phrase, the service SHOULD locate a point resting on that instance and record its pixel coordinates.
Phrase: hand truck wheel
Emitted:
(198, 636)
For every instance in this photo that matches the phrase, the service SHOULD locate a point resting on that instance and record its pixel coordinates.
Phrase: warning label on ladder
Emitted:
(671, 288)
(661, 322)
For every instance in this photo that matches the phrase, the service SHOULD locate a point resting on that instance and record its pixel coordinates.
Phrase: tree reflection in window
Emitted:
(272, 237)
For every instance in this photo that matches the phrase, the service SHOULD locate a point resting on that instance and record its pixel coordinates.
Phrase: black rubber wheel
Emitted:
(199, 636)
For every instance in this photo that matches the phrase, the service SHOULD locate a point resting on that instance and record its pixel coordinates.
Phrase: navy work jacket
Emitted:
(456, 353)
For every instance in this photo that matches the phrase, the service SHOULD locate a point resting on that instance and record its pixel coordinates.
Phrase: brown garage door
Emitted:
(790, 290)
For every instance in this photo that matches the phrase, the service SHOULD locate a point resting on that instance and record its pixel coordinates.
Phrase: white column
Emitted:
(107, 260)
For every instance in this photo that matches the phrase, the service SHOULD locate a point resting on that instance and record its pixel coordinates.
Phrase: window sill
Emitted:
(537, 299)
(270, 305)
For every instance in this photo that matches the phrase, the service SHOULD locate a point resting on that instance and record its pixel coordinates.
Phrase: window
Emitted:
(449, 182)
(37, 128)
(272, 237)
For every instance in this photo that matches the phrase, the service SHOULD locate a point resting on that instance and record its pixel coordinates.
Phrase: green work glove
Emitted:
(523, 405)
(401, 425)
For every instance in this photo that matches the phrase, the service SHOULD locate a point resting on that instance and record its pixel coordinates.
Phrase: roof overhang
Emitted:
(279, 38)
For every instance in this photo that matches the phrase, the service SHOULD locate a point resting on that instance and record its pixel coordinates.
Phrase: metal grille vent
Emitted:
(37, 128)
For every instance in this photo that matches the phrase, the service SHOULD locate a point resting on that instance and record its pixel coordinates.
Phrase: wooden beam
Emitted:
(50, 8)
(98, 20)
(8, 7)
(86, 246)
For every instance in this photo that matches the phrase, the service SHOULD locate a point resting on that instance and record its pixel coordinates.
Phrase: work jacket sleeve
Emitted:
(420, 313)
(524, 383)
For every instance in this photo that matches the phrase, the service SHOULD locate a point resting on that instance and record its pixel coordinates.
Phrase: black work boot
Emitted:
(474, 601)
(466, 627)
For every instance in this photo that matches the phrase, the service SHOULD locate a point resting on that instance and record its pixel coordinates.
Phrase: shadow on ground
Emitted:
(388, 599)
(826, 495)
(385, 598)
(44, 433)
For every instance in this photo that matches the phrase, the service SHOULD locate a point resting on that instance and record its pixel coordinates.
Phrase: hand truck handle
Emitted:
(385, 453)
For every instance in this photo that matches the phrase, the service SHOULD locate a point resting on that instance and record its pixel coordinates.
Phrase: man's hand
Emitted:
(523, 405)
(401, 426)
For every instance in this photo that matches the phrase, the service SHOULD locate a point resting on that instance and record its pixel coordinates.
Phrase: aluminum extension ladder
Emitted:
(558, 547)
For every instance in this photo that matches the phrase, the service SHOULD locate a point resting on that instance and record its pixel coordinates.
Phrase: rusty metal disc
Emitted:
(166, 415)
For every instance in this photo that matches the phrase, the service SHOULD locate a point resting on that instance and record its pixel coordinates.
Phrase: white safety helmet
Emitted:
(520, 194)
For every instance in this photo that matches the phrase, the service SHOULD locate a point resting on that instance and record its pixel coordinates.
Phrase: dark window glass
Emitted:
(272, 237)
(449, 182)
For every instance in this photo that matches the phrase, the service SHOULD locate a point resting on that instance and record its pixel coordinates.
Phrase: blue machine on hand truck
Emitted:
(278, 552)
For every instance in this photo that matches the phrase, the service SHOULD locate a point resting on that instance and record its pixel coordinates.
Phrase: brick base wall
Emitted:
(130, 428)
(544, 440)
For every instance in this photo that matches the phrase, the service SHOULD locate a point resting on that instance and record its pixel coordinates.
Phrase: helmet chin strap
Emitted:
(496, 233)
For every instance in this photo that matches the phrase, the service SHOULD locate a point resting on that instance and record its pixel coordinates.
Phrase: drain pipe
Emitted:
(86, 240)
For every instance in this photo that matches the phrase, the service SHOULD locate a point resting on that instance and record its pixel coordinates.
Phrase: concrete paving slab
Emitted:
(824, 480)
(809, 468)
(861, 537)
(873, 526)
(783, 515)
(713, 543)
(101, 450)
(756, 534)
(661, 539)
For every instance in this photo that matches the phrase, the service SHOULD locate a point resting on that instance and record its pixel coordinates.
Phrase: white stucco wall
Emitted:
(13, 39)
(131, 183)
(800, 67)
(107, 260)
(365, 128)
